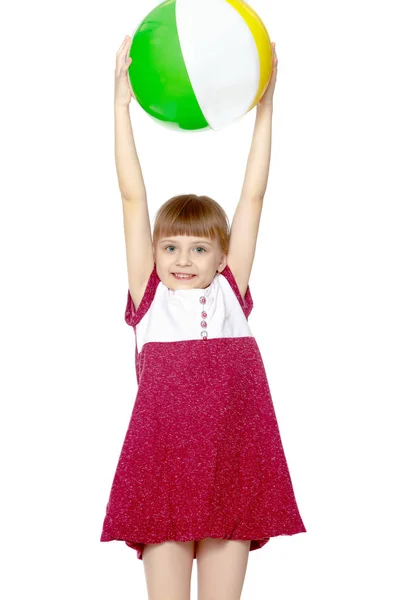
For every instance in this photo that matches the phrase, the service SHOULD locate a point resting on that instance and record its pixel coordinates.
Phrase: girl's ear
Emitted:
(222, 264)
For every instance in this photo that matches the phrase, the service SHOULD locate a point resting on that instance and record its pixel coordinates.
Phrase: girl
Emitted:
(202, 472)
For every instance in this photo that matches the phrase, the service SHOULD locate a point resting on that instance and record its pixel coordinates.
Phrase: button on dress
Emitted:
(202, 456)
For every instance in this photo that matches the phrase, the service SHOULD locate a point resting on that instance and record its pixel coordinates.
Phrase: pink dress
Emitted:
(202, 455)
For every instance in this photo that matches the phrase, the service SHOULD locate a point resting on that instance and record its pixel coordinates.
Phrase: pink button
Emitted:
(203, 324)
(204, 314)
(204, 335)
(202, 299)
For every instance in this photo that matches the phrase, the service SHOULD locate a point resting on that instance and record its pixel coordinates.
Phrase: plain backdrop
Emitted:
(325, 284)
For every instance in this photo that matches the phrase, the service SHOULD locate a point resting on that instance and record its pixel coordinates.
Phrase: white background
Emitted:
(325, 284)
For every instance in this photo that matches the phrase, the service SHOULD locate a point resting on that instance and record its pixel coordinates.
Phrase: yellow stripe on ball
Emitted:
(263, 43)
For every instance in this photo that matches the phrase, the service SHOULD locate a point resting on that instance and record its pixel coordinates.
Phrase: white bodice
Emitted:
(177, 315)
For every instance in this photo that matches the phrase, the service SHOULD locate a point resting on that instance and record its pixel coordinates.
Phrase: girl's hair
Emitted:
(193, 215)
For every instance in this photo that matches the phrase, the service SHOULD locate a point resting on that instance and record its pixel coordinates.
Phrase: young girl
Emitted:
(202, 472)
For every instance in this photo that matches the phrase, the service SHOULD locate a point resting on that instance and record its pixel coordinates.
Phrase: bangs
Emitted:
(182, 226)
(197, 216)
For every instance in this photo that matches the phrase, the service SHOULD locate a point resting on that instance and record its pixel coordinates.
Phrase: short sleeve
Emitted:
(133, 316)
(247, 302)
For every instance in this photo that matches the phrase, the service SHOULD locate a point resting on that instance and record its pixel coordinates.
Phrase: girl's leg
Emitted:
(168, 569)
(221, 568)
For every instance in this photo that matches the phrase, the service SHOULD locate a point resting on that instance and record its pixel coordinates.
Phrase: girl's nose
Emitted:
(183, 259)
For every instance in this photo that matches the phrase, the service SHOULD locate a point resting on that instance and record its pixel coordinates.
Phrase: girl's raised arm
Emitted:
(245, 223)
(137, 230)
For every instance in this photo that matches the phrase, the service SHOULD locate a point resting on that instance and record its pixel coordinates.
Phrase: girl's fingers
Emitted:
(122, 54)
(123, 44)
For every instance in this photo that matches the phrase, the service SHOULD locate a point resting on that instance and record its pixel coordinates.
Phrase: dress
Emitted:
(202, 455)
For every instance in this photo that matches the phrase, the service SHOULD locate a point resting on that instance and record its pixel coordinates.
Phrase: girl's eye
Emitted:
(202, 250)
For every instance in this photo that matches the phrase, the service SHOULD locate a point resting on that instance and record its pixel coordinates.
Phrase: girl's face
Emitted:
(196, 257)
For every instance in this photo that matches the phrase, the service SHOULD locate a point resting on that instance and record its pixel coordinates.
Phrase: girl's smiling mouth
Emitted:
(183, 275)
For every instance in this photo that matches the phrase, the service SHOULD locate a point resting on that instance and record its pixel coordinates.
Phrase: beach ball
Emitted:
(200, 64)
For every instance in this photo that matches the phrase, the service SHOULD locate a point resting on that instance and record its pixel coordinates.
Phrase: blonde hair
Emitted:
(189, 214)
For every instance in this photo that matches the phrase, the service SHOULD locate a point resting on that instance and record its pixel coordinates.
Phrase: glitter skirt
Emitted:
(202, 456)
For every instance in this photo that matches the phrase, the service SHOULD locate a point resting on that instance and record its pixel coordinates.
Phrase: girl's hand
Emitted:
(123, 90)
(266, 100)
